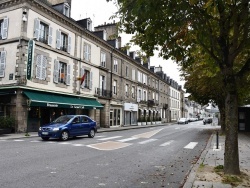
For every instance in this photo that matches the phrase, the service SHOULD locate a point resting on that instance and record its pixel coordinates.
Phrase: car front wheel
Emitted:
(64, 135)
(91, 133)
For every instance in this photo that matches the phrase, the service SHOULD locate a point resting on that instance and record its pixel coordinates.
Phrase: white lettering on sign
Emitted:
(52, 105)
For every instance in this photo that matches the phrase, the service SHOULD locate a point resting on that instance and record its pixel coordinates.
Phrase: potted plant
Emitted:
(158, 120)
(153, 122)
(149, 120)
(7, 125)
(144, 122)
(139, 121)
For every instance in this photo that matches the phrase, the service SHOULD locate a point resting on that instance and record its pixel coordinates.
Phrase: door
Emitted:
(86, 125)
(76, 127)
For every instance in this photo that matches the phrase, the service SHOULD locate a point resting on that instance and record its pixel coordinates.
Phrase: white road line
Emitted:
(99, 136)
(127, 139)
(35, 141)
(77, 144)
(191, 145)
(65, 143)
(167, 143)
(18, 140)
(109, 138)
(147, 141)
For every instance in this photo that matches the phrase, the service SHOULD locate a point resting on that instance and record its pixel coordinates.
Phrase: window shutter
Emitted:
(142, 95)
(104, 83)
(68, 75)
(38, 66)
(101, 83)
(50, 36)
(5, 28)
(89, 53)
(56, 71)
(90, 80)
(82, 73)
(58, 39)
(36, 29)
(69, 44)
(2, 63)
(85, 51)
(44, 66)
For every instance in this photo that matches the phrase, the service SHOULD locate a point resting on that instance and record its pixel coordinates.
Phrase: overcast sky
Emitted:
(100, 11)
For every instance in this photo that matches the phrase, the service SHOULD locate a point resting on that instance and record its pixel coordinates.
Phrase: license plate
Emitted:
(45, 133)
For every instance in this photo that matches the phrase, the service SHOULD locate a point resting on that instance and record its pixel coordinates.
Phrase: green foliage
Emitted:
(219, 168)
(233, 180)
(7, 122)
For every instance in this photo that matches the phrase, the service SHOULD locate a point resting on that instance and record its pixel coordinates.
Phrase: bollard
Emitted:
(217, 140)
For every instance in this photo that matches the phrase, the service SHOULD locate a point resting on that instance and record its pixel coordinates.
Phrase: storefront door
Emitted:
(115, 117)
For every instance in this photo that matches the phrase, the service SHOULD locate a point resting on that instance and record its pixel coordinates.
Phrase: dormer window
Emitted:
(66, 10)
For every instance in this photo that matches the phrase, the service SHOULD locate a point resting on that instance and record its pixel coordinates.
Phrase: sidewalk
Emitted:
(212, 157)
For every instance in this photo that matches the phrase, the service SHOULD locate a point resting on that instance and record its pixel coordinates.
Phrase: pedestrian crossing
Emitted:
(109, 143)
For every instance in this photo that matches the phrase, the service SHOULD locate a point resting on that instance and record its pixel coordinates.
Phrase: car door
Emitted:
(76, 126)
(86, 124)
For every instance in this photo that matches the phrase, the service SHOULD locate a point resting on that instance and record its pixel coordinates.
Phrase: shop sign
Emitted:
(77, 106)
(30, 58)
(130, 107)
(52, 105)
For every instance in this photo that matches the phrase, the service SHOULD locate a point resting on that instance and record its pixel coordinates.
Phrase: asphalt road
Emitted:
(149, 157)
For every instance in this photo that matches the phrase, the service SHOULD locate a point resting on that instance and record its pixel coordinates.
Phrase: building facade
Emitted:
(52, 63)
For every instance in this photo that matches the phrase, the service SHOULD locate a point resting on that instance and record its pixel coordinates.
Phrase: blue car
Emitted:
(68, 126)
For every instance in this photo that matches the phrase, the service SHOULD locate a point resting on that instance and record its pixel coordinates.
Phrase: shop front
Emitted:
(130, 114)
(41, 106)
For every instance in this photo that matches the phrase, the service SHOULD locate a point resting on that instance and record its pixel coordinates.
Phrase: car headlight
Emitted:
(56, 129)
(40, 128)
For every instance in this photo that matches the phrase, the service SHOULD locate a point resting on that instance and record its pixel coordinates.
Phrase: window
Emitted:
(41, 65)
(4, 23)
(63, 41)
(115, 87)
(42, 32)
(103, 59)
(145, 95)
(87, 83)
(133, 91)
(87, 52)
(139, 94)
(61, 72)
(133, 74)
(66, 10)
(2, 63)
(126, 90)
(139, 76)
(115, 66)
(126, 71)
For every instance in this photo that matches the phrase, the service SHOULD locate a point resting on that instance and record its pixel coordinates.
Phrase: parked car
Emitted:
(207, 120)
(183, 121)
(68, 126)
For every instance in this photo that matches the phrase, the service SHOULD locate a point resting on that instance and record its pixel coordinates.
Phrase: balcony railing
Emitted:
(151, 103)
(103, 92)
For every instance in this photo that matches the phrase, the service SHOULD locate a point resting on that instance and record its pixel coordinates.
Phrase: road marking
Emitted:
(147, 134)
(18, 140)
(109, 138)
(127, 139)
(35, 141)
(99, 136)
(109, 145)
(65, 143)
(77, 145)
(167, 143)
(147, 141)
(191, 145)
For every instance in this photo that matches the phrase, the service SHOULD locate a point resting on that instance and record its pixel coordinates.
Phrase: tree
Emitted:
(217, 28)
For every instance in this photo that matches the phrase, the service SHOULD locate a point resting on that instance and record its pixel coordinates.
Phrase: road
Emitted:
(149, 157)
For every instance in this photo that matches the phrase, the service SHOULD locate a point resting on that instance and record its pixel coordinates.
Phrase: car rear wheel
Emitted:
(64, 135)
(91, 133)
(45, 138)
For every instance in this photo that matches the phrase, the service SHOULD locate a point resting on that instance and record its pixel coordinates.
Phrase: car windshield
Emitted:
(62, 119)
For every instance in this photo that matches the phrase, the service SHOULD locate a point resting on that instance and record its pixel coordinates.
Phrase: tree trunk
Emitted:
(231, 156)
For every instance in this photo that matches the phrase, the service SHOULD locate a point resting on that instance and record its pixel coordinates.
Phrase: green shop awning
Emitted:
(43, 99)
